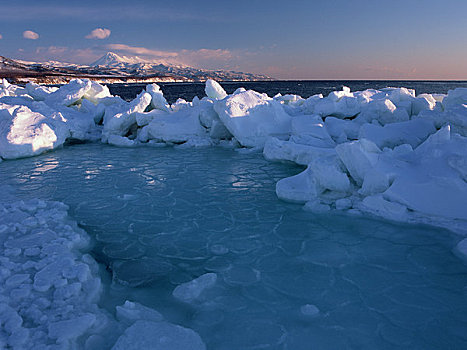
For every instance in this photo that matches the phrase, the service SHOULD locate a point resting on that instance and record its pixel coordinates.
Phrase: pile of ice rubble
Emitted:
(49, 290)
(387, 152)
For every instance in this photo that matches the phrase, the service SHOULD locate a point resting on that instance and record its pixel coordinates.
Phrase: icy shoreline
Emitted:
(385, 152)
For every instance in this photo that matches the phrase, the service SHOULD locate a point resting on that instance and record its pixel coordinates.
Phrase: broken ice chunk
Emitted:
(147, 335)
(309, 310)
(72, 328)
(130, 312)
(190, 291)
(461, 249)
(214, 90)
(358, 157)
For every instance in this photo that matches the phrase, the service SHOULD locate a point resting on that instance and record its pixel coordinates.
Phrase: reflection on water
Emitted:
(47, 164)
(163, 217)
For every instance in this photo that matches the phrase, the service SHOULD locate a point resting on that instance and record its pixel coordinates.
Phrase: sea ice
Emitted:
(251, 117)
(131, 312)
(190, 291)
(300, 188)
(277, 150)
(177, 127)
(354, 144)
(461, 249)
(149, 335)
(24, 133)
(158, 100)
(48, 296)
(38, 92)
(70, 93)
(118, 122)
(120, 141)
(310, 130)
(358, 157)
(341, 104)
(455, 97)
(214, 90)
(309, 310)
(412, 132)
(72, 328)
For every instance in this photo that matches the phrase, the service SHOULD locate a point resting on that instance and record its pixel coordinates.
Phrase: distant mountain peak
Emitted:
(111, 59)
(114, 66)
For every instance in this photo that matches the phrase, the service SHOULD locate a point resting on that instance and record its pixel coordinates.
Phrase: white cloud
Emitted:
(99, 33)
(206, 57)
(29, 34)
(214, 58)
(53, 50)
(203, 57)
(221, 54)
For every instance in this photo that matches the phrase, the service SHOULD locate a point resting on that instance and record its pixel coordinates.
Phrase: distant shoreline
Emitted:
(59, 79)
(52, 79)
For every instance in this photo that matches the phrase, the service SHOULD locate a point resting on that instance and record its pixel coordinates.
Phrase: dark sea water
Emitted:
(187, 91)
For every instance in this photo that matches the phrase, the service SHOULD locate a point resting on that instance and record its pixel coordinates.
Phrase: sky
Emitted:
(294, 39)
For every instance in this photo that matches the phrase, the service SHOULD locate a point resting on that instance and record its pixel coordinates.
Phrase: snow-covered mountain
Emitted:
(142, 67)
(112, 60)
(114, 68)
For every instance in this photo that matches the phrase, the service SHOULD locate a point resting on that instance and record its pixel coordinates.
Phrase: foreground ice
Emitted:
(190, 291)
(148, 335)
(189, 239)
(50, 290)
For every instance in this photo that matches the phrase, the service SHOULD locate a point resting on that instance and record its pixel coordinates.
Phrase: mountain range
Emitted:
(112, 68)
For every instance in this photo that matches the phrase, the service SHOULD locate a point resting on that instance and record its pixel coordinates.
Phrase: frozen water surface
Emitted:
(254, 272)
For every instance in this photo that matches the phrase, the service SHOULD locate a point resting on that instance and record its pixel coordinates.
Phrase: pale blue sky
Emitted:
(328, 39)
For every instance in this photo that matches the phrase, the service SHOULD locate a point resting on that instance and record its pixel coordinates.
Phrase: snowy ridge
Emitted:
(386, 152)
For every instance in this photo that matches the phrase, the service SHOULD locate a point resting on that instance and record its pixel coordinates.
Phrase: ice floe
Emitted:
(190, 291)
(149, 335)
